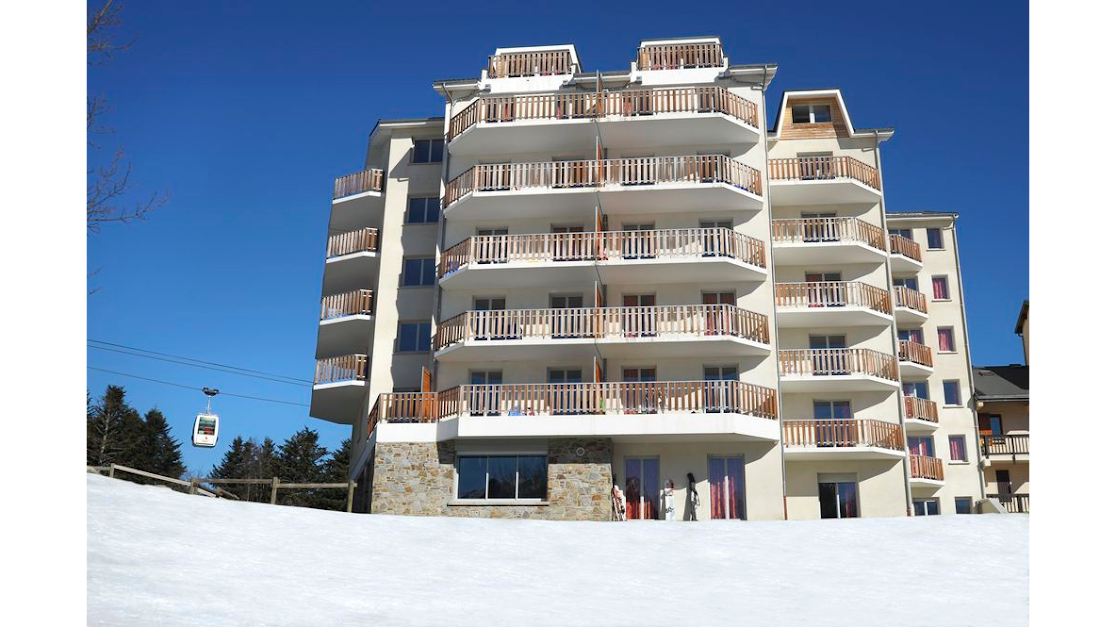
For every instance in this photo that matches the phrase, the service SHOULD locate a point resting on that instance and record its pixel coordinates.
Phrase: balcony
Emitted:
(568, 122)
(533, 63)
(837, 370)
(910, 306)
(906, 255)
(825, 180)
(920, 414)
(681, 56)
(832, 304)
(613, 257)
(809, 241)
(1001, 448)
(659, 331)
(842, 439)
(678, 411)
(573, 189)
(357, 199)
(926, 472)
(345, 323)
(351, 260)
(915, 361)
(1015, 503)
(339, 386)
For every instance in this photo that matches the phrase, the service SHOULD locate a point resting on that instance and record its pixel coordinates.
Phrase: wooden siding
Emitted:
(839, 127)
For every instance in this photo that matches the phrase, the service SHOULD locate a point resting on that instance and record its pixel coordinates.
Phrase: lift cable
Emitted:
(178, 385)
(198, 362)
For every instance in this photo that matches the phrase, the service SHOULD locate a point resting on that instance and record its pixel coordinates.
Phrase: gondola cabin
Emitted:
(205, 430)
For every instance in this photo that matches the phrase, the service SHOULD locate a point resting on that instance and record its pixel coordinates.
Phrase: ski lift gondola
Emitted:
(207, 424)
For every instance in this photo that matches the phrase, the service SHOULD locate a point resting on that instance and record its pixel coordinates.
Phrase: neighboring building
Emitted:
(1023, 330)
(629, 279)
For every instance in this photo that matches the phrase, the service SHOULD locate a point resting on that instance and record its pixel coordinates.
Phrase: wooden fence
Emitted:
(828, 230)
(822, 168)
(356, 183)
(842, 433)
(832, 294)
(828, 362)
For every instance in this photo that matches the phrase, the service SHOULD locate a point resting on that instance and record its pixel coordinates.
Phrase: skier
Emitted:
(691, 498)
(668, 500)
(618, 503)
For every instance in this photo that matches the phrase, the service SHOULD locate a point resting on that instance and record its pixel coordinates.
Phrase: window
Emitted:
(934, 238)
(923, 507)
(837, 496)
(957, 451)
(920, 446)
(501, 477)
(413, 336)
(911, 335)
(428, 151)
(641, 488)
(810, 114)
(941, 287)
(907, 282)
(951, 390)
(990, 424)
(905, 233)
(963, 505)
(832, 410)
(916, 389)
(945, 339)
(422, 210)
(418, 271)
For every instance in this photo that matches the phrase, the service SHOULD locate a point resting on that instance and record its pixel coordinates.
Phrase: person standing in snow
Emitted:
(668, 500)
(691, 498)
(618, 503)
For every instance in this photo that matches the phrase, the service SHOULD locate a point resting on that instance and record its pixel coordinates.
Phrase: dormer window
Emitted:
(810, 114)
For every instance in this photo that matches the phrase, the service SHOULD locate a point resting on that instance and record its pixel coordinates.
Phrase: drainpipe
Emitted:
(894, 331)
(441, 241)
(771, 275)
(969, 358)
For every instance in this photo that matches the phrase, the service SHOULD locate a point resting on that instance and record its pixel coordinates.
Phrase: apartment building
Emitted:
(578, 280)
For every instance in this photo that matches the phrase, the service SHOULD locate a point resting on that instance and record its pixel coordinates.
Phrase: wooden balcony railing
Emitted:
(823, 294)
(357, 302)
(604, 322)
(544, 63)
(678, 56)
(823, 168)
(1015, 503)
(603, 172)
(829, 362)
(364, 239)
(681, 397)
(605, 104)
(340, 369)
(913, 299)
(904, 246)
(926, 468)
(842, 433)
(914, 352)
(920, 409)
(1005, 444)
(364, 181)
(604, 245)
(828, 231)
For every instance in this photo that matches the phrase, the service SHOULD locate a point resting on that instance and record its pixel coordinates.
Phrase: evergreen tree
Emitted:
(300, 457)
(335, 468)
(159, 451)
(113, 429)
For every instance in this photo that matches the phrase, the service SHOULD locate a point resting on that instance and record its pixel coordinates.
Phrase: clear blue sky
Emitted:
(246, 112)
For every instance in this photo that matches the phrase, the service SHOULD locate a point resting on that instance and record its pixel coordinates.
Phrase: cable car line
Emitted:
(228, 394)
(198, 360)
(211, 368)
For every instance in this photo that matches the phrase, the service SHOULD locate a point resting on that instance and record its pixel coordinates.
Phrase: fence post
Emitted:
(274, 490)
(193, 486)
(349, 501)
(112, 470)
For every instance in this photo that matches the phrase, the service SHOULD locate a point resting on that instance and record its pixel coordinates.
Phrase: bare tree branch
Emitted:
(100, 34)
(105, 189)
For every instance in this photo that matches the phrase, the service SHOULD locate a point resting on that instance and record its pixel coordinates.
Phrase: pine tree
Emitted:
(335, 468)
(159, 451)
(113, 429)
(299, 461)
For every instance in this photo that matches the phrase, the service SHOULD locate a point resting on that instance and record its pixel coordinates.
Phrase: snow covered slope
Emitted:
(157, 557)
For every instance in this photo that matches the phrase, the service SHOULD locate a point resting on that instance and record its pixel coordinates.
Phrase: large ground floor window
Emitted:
(501, 477)
(837, 496)
(924, 507)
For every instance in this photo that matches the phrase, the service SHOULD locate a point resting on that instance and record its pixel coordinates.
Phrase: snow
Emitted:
(157, 557)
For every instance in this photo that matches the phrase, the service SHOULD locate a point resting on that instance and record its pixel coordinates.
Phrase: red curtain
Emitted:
(945, 339)
(956, 449)
(941, 288)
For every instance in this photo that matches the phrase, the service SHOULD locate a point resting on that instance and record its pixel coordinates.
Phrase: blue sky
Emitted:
(245, 112)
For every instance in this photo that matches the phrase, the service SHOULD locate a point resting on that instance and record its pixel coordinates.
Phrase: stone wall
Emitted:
(417, 479)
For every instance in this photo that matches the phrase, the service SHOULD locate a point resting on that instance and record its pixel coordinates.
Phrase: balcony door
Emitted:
(641, 487)
(641, 321)
(712, 243)
(920, 446)
(489, 326)
(990, 424)
(568, 324)
(916, 389)
(905, 282)
(485, 396)
(815, 166)
(906, 233)
(495, 247)
(716, 319)
(566, 396)
(1003, 482)
(911, 335)
(815, 227)
(833, 426)
(826, 360)
(718, 390)
(639, 241)
(824, 295)
(566, 249)
(837, 496)
(726, 487)
(640, 396)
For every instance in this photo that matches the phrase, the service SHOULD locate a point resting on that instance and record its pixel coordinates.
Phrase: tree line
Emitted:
(116, 433)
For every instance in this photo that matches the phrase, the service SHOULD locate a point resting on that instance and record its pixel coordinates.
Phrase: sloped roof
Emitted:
(1002, 383)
